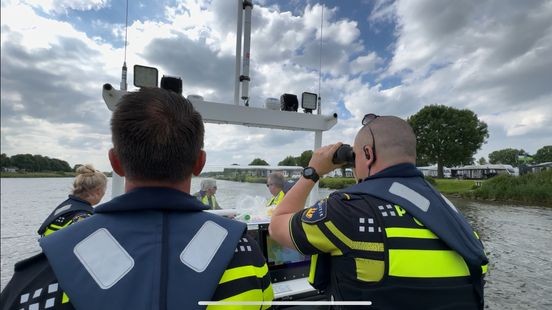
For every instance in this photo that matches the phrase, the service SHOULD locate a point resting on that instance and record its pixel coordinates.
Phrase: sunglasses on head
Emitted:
(368, 118)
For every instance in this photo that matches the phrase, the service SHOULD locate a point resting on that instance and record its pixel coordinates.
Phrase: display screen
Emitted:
(279, 255)
(283, 263)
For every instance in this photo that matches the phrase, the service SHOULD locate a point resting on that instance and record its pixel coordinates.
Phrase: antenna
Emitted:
(320, 63)
(117, 181)
(124, 69)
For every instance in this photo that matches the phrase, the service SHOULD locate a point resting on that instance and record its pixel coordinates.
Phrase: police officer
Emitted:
(391, 239)
(153, 247)
(88, 190)
(207, 194)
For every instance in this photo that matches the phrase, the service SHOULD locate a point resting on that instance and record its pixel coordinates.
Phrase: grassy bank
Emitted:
(454, 186)
(533, 188)
(46, 174)
(336, 183)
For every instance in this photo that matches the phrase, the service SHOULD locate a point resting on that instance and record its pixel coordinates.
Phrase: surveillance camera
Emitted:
(111, 96)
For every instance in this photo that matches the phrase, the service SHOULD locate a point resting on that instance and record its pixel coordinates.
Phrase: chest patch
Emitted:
(316, 213)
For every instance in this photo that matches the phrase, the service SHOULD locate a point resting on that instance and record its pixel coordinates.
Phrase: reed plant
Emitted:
(528, 188)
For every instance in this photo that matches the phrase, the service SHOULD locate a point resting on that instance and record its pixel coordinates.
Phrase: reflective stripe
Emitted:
(426, 264)
(243, 272)
(210, 201)
(104, 258)
(312, 270)
(318, 240)
(251, 295)
(268, 295)
(449, 203)
(62, 209)
(484, 269)
(369, 270)
(398, 232)
(201, 250)
(64, 298)
(355, 245)
(409, 194)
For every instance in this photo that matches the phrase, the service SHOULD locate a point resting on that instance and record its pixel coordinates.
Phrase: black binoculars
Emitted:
(344, 155)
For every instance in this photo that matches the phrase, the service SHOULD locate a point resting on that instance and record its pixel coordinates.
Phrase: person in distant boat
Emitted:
(153, 247)
(390, 239)
(207, 194)
(275, 183)
(88, 190)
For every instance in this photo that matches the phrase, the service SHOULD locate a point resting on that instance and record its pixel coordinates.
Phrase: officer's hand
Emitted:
(321, 159)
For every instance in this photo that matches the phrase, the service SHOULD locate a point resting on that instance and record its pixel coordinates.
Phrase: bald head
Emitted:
(395, 140)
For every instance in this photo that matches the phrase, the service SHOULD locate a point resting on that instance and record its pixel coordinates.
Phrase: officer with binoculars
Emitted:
(390, 239)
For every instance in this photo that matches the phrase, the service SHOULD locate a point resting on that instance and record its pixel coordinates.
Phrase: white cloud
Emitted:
(490, 57)
(62, 6)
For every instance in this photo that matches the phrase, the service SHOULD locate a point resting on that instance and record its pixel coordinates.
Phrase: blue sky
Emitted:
(382, 56)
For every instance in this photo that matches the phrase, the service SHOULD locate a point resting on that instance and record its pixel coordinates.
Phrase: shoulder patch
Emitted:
(316, 213)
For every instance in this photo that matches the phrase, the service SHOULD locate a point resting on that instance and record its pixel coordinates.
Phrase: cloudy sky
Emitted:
(387, 57)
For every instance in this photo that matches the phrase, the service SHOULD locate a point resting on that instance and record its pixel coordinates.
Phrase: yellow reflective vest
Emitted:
(275, 200)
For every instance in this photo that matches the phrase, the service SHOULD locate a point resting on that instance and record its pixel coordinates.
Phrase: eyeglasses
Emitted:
(268, 184)
(366, 120)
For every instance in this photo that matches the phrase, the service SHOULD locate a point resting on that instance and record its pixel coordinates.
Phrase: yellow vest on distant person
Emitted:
(274, 201)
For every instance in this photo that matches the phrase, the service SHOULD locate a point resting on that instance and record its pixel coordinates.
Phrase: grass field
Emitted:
(454, 186)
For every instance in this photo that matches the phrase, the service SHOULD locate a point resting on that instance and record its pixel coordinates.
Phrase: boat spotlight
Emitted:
(145, 76)
(172, 83)
(289, 102)
(308, 102)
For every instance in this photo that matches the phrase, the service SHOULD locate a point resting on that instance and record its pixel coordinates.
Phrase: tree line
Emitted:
(33, 163)
(446, 136)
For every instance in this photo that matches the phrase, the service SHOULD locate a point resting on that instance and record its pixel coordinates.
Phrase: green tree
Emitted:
(482, 161)
(507, 156)
(543, 155)
(5, 161)
(258, 162)
(304, 158)
(288, 161)
(447, 136)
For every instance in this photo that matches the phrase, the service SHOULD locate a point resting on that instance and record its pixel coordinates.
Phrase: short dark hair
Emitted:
(157, 135)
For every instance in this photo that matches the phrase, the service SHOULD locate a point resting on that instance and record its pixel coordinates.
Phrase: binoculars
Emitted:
(344, 155)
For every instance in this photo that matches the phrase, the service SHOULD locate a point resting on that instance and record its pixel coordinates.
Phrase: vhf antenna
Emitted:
(320, 63)
(124, 69)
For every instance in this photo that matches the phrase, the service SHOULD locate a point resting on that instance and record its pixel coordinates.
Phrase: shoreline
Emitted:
(462, 189)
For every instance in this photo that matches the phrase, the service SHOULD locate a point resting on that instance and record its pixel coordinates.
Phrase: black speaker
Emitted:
(289, 102)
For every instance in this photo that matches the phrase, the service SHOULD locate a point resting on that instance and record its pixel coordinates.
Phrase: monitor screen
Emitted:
(283, 263)
(280, 255)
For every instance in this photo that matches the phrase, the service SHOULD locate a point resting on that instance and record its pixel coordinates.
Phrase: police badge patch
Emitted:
(315, 213)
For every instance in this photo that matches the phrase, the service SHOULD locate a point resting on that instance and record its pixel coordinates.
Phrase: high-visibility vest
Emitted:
(71, 205)
(275, 200)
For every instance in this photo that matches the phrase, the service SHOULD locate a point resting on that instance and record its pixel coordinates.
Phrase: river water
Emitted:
(518, 239)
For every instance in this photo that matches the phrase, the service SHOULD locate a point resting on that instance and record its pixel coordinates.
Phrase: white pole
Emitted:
(238, 52)
(117, 181)
(314, 196)
(244, 78)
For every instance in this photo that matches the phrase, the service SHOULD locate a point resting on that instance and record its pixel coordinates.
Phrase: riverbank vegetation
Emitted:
(529, 188)
(32, 163)
(42, 174)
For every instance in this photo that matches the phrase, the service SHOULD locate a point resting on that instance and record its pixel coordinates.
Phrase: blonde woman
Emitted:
(88, 190)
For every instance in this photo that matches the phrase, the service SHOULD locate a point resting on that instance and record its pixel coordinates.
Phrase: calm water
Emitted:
(518, 239)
